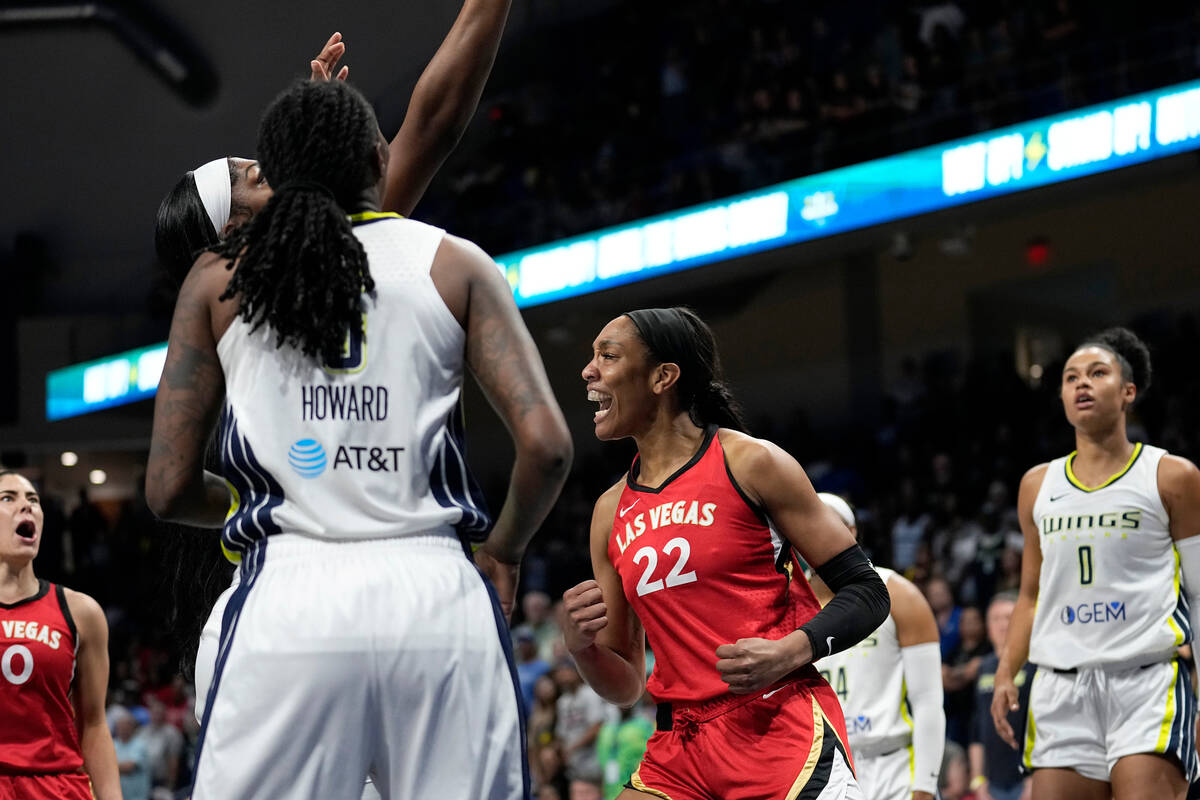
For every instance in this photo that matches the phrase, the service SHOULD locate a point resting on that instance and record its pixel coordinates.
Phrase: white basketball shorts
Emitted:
(1088, 719)
(338, 659)
(885, 777)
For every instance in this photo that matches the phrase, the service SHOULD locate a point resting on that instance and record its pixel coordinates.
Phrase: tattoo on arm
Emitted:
(187, 405)
(503, 357)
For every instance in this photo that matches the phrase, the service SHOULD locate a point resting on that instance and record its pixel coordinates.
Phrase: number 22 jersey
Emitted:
(702, 567)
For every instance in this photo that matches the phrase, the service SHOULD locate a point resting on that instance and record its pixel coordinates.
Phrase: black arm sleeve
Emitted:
(860, 603)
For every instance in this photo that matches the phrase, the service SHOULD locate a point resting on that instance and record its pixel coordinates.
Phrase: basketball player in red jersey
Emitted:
(694, 546)
(53, 671)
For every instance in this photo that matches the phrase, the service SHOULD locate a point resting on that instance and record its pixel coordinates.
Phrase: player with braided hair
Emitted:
(1109, 583)
(214, 199)
(360, 637)
(301, 237)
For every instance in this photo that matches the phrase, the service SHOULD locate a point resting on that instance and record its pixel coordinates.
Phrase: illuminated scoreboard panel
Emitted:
(107, 382)
(1025, 156)
(1045, 151)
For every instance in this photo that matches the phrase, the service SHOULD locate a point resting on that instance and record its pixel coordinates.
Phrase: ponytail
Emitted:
(717, 405)
(300, 268)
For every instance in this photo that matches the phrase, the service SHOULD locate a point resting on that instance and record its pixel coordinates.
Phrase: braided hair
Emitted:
(300, 269)
(678, 336)
(1131, 353)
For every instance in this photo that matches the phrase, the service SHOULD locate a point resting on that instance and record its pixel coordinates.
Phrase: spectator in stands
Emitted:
(1010, 571)
(529, 666)
(540, 622)
(545, 757)
(909, 529)
(995, 767)
(581, 714)
(954, 783)
(960, 668)
(133, 760)
(955, 543)
(621, 744)
(945, 611)
(164, 744)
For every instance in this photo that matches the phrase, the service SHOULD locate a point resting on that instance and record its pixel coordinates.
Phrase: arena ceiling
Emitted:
(93, 137)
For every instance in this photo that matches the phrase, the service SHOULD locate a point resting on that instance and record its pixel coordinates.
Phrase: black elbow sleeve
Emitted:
(860, 603)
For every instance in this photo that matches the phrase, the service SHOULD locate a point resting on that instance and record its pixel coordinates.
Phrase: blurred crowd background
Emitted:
(654, 106)
(687, 102)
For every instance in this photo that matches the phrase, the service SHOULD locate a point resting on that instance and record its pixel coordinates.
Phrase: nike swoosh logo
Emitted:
(768, 694)
(631, 505)
(1059, 496)
(829, 643)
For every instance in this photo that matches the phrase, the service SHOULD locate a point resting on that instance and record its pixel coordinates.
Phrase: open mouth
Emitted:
(1084, 401)
(27, 530)
(604, 401)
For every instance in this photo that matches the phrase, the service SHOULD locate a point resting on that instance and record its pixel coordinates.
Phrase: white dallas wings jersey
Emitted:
(1110, 590)
(869, 680)
(365, 448)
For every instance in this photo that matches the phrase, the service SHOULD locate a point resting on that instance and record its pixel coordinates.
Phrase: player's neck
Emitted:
(666, 447)
(368, 201)
(1102, 450)
(17, 581)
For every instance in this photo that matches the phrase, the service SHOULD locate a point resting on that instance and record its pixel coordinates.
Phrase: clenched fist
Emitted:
(748, 665)
(584, 615)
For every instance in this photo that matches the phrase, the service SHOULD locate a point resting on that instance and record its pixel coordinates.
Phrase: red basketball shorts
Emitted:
(58, 786)
(786, 743)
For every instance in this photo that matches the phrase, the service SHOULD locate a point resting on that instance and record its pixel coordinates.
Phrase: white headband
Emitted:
(840, 507)
(216, 191)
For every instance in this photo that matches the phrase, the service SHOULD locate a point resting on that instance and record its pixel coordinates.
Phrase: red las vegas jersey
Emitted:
(37, 667)
(702, 567)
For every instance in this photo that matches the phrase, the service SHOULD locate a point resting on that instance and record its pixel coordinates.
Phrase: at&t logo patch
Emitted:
(307, 458)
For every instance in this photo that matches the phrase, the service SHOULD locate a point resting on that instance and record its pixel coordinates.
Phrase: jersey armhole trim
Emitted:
(43, 588)
(66, 612)
(758, 510)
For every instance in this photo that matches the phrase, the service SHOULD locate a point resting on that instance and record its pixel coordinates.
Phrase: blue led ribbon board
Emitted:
(1045, 151)
(1054, 149)
(113, 381)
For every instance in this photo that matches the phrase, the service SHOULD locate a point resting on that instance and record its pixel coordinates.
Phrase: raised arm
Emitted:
(505, 361)
(91, 687)
(601, 631)
(776, 482)
(1020, 627)
(186, 408)
(444, 101)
